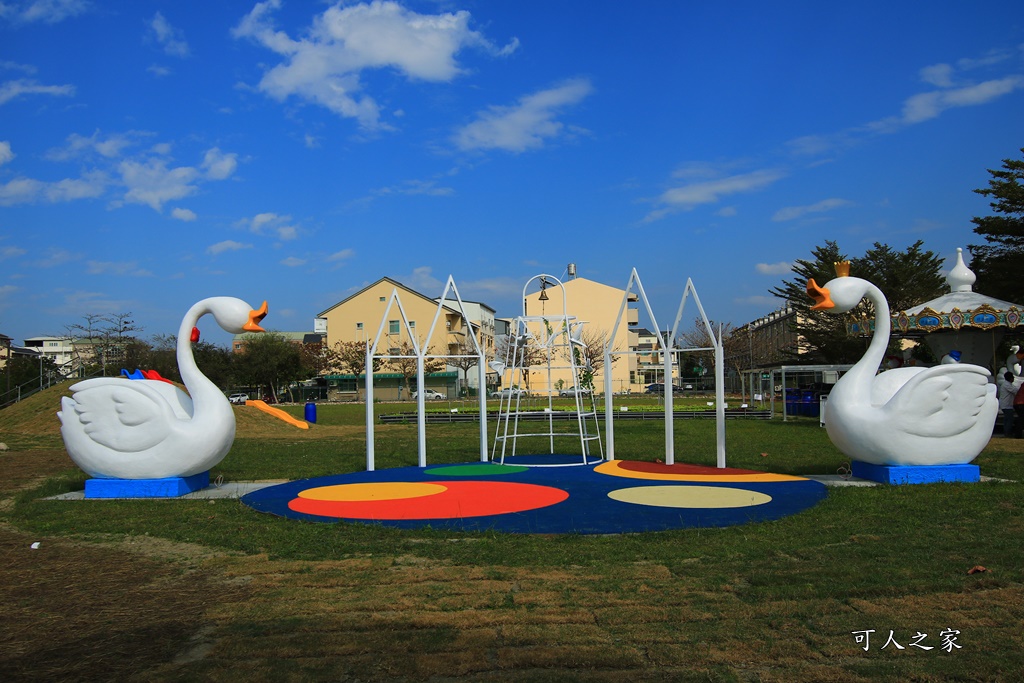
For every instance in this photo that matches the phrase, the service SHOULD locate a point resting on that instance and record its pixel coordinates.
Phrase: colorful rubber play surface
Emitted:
(617, 496)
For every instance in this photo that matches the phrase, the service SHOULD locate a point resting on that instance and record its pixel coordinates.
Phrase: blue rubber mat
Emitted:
(609, 498)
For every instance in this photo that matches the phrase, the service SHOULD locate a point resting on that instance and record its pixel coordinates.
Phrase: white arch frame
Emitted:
(421, 356)
(667, 352)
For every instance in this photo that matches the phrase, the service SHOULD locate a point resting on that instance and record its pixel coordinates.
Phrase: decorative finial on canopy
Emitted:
(961, 278)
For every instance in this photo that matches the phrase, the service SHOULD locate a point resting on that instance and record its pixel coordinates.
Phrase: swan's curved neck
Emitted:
(867, 366)
(193, 379)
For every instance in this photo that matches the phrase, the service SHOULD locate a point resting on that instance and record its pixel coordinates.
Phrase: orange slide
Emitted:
(278, 413)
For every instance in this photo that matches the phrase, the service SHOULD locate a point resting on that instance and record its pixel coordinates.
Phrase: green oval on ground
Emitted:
(480, 470)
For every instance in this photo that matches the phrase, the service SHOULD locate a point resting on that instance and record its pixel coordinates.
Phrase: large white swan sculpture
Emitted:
(115, 428)
(908, 416)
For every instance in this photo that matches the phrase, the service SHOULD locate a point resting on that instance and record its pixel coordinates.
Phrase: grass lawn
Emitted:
(211, 590)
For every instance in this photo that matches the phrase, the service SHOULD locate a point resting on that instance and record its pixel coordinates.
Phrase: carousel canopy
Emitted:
(963, 320)
(961, 308)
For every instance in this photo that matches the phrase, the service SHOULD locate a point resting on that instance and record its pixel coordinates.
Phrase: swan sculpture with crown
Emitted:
(146, 429)
(908, 416)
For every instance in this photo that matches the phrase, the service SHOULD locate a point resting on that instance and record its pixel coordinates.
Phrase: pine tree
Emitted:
(999, 264)
(906, 278)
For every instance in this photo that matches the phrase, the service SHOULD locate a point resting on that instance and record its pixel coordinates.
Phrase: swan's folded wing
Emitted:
(122, 415)
(940, 402)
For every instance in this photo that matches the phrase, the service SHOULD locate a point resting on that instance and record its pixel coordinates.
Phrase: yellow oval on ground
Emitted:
(690, 496)
(389, 490)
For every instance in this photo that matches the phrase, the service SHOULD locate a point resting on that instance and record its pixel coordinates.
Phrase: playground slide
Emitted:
(278, 413)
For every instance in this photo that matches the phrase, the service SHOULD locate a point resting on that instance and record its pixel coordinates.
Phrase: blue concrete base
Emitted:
(171, 487)
(915, 474)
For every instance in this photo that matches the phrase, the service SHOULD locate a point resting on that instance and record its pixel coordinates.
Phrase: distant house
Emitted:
(597, 304)
(61, 350)
(359, 317)
(9, 350)
(773, 339)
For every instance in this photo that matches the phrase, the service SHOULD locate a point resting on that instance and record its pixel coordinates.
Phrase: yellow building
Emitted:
(598, 305)
(358, 318)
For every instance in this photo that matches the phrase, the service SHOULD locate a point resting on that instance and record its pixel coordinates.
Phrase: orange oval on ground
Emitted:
(388, 490)
(459, 499)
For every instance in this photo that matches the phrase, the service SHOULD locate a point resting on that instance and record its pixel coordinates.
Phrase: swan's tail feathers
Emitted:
(942, 401)
(67, 406)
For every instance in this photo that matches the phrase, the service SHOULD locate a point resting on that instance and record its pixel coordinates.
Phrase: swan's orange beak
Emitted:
(822, 297)
(255, 318)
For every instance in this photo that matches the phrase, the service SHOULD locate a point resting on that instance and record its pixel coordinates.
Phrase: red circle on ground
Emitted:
(680, 468)
(461, 499)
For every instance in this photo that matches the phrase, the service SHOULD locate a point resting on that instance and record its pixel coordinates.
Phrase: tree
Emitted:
(350, 357)
(268, 360)
(317, 358)
(525, 356)
(906, 278)
(998, 262)
(31, 372)
(103, 339)
(464, 358)
(590, 356)
(405, 363)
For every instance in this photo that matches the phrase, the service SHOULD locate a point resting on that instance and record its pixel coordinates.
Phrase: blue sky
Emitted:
(155, 153)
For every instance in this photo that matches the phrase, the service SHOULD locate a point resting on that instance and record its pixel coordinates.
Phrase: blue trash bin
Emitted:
(311, 413)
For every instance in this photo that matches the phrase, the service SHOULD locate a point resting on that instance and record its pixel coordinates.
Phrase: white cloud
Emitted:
(11, 252)
(929, 105)
(20, 191)
(108, 146)
(16, 66)
(46, 11)
(955, 89)
(5, 152)
(780, 268)
(793, 212)
(27, 190)
(938, 74)
(416, 187)
(116, 268)
(688, 196)
(89, 186)
(5, 294)
(293, 262)
(422, 280)
(226, 245)
(501, 287)
(342, 255)
(323, 66)
(152, 183)
(263, 223)
(525, 125)
(171, 39)
(158, 70)
(219, 166)
(27, 86)
(726, 211)
(56, 257)
(186, 215)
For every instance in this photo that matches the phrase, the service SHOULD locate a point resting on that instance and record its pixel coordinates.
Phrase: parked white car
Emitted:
(509, 393)
(429, 394)
(238, 399)
(571, 392)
